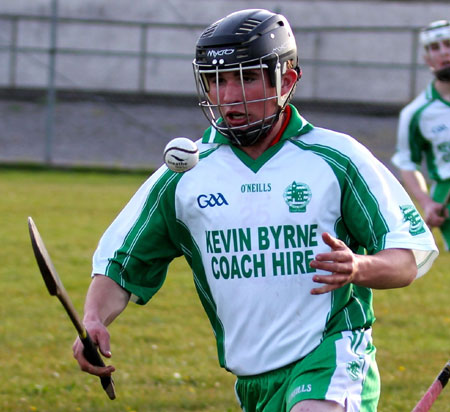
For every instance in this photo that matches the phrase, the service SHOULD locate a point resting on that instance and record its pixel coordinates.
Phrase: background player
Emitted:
(270, 220)
(424, 132)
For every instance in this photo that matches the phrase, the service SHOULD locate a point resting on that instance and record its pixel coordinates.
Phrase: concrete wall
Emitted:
(369, 78)
(310, 12)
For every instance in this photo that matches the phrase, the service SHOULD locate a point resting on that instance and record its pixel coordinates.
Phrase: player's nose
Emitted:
(232, 92)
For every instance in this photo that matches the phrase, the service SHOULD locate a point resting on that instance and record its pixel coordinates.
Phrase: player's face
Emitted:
(438, 54)
(242, 101)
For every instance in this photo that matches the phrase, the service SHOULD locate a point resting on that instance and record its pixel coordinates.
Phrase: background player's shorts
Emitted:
(439, 191)
(341, 369)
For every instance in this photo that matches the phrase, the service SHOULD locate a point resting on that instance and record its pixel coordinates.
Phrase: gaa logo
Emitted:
(297, 196)
(211, 200)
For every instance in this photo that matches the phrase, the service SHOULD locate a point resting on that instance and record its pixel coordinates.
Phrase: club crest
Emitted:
(297, 196)
(411, 215)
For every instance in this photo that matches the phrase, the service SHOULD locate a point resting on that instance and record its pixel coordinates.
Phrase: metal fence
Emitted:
(132, 56)
(52, 53)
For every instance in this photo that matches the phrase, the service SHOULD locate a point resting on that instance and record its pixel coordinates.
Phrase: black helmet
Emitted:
(246, 39)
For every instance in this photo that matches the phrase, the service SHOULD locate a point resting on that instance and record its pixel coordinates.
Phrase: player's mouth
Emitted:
(236, 119)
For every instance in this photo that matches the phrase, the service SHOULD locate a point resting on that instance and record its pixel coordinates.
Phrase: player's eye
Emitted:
(249, 77)
(213, 79)
(434, 46)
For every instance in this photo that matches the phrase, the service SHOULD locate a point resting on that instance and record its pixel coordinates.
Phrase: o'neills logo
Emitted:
(218, 53)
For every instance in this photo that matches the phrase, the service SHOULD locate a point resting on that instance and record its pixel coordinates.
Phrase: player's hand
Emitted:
(341, 262)
(435, 213)
(100, 336)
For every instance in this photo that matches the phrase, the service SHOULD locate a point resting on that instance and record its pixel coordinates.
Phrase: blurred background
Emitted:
(107, 83)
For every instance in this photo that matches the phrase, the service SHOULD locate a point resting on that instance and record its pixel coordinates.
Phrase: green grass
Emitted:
(165, 351)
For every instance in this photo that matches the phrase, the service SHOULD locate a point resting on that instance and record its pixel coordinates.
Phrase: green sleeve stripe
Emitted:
(350, 309)
(193, 256)
(347, 319)
(356, 194)
(418, 144)
(358, 301)
(349, 176)
(138, 228)
(357, 340)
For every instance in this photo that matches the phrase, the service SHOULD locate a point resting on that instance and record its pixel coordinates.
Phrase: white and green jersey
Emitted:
(249, 228)
(424, 133)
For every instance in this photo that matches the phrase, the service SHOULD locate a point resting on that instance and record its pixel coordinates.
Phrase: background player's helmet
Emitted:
(435, 32)
(247, 39)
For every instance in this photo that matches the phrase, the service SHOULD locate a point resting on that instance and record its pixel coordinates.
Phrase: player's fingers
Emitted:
(330, 240)
(77, 349)
(101, 371)
(335, 256)
(85, 365)
(334, 279)
(333, 242)
(435, 220)
(445, 213)
(325, 289)
(340, 268)
(331, 282)
(100, 337)
(103, 342)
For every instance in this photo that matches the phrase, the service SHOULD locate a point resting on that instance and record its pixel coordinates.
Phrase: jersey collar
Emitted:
(297, 126)
(433, 94)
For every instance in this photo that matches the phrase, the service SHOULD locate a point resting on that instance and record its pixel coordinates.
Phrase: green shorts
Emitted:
(439, 192)
(341, 369)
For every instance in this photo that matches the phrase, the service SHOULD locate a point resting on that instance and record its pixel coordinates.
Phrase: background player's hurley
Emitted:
(55, 287)
(434, 390)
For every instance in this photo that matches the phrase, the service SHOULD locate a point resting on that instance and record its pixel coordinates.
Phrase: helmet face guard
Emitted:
(213, 107)
(256, 40)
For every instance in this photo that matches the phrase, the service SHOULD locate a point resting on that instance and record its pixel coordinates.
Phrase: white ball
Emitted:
(181, 154)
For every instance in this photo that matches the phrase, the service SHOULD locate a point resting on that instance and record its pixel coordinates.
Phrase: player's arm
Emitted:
(415, 183)
(105, 300)
(389, 268)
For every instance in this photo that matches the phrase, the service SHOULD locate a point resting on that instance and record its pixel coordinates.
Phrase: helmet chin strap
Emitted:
(443, 75)
(250, 135)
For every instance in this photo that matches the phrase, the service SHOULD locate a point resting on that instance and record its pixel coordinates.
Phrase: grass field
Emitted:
(164, 352)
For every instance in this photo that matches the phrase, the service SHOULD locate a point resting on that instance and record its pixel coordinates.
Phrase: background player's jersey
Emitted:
(424, 133)
(249, 229)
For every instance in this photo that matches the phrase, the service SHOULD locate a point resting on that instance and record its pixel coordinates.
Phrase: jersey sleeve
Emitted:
(136, 249)
(379, 213)
(402, 157)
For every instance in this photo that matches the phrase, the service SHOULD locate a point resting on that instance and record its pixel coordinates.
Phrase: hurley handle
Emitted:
(90, 352)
